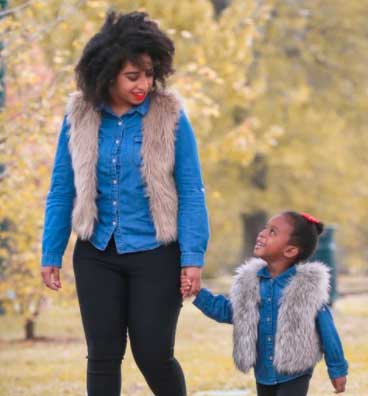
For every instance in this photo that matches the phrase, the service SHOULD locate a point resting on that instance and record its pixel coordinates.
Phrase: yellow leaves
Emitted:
(301, 94)
(236, 146)
(95, 4)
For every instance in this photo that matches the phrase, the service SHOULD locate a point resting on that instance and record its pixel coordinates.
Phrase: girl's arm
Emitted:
(334, 355)
(215, 307)
(193, 230)
(59, 204)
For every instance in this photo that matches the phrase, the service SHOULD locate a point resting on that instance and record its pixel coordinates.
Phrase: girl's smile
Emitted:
(272, 243)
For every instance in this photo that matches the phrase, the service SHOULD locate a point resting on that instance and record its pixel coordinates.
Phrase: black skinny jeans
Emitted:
(137, 293)
(296, 387)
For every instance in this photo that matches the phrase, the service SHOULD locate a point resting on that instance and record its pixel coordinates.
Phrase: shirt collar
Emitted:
(281, 279)
(142, 108)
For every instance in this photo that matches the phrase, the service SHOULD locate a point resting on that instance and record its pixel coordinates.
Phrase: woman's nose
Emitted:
(144, 84)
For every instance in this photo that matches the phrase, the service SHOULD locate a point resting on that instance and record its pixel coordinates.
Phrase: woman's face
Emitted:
(133, 83)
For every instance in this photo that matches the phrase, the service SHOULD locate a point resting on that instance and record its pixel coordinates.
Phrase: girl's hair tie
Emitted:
(310, 218)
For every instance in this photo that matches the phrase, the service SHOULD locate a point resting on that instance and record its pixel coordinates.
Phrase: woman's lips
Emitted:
(139, 96)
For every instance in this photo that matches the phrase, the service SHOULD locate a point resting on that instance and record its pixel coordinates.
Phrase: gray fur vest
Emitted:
(158, 154)
(297, 346)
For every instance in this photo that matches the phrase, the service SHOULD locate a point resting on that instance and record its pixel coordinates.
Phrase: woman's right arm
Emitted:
(59, 204)
(215, 307)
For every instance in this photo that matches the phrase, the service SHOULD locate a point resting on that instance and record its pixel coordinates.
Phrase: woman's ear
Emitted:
(291, 251)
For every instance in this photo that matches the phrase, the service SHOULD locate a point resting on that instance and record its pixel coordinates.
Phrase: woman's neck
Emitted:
(119, 110)
(119, 107)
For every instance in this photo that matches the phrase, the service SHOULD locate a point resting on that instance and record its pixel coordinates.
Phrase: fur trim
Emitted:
(158, 152)
(245, 298)
(83, 146)
(297, 345)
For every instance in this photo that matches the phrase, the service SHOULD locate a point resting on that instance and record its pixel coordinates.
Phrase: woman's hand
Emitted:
(51, 277)
(339, 384)
(190, 281)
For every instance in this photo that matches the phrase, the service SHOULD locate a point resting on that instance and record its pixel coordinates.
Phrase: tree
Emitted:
(310, 67)
(210, 75)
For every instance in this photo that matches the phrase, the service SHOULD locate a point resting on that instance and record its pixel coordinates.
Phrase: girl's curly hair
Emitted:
(122, 38)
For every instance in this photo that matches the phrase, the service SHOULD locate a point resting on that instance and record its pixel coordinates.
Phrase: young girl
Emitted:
(278, 305)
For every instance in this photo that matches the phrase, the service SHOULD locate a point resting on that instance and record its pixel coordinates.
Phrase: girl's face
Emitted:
(133, 83)
(273, 241)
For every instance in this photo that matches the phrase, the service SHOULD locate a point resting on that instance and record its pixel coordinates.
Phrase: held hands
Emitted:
(190, 281)
(339, 384)
(51, 277)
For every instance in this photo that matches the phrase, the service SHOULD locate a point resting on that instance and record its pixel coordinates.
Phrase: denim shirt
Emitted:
(219, 308)
(122, 203)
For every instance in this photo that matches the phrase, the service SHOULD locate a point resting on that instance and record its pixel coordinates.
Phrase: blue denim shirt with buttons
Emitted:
(123, 205)
(219, 308)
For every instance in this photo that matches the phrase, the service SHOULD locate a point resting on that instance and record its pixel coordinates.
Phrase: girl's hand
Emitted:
(51, 277)
(339, 384)
(191, 276)
(185, 285)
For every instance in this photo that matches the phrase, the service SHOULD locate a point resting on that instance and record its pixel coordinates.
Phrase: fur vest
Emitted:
(158, 154)
(297, 346)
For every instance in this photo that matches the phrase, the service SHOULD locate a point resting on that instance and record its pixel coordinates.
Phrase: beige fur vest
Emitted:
(158, 154)
(297, 346)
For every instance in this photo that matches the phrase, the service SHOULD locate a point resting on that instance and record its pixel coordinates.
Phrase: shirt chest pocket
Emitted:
(137, 149)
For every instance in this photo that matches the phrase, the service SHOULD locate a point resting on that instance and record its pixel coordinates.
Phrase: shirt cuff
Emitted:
(338, 370)
(51, 260)
(201, 299)
(192, 259)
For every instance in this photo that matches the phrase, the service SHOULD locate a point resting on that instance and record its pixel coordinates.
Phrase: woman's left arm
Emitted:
(193, 229)
(334, 355)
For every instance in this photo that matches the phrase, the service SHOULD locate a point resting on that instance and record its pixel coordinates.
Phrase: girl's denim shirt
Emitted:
(219, 308)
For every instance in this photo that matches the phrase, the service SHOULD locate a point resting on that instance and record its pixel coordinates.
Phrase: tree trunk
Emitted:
(29, 328)
(252, 225)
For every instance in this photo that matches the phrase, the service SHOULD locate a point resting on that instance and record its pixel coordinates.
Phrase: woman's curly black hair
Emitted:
(122, 38)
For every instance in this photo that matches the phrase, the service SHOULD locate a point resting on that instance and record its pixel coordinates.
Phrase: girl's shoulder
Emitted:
(313, 270)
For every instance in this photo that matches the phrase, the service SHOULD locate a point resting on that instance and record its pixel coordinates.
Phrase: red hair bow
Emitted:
(310, 218)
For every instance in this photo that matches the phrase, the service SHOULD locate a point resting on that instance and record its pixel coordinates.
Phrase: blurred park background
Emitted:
(277, 92)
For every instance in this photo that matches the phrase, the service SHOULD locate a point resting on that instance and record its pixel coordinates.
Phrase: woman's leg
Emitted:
(298, 386)
(102, 294)
(154, 306)
(266, 390)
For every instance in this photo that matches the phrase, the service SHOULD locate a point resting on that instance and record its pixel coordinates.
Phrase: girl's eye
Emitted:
(272, 231)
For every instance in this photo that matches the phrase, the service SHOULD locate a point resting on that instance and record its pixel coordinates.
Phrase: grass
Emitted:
(56, 365)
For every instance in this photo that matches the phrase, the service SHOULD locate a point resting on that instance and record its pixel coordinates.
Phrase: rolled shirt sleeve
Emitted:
(337, 366)
(193, 227)
(59, 204)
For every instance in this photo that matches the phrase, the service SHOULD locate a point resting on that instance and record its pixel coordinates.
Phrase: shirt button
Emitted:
(269, 338)
(268, 319)
(269, 299)
(114, 223)
(120, 123)
(114, 160)
(270, 358)
(114, 203)
(114, 181)
(117, 141)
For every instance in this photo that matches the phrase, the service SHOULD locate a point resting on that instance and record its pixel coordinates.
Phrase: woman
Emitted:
(127, 178)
